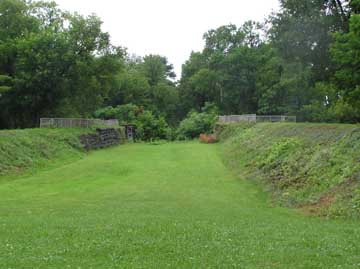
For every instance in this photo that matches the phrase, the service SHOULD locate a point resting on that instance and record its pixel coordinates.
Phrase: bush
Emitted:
(148, 126)
(198, 123)
(125, 114)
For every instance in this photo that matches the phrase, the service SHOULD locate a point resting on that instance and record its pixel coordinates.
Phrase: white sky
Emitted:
(172, 28)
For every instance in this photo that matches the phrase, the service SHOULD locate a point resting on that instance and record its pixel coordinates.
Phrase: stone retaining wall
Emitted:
(103, 138)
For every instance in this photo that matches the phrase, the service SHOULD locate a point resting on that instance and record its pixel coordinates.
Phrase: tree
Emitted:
(52, 63)
(148, 125)
(154, 69)
(222, 39)
(148, 82)
(345, 53)
(225, 72)
(302, 32)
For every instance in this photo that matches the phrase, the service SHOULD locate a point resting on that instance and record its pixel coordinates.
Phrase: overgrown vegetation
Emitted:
(311, 166)
(147, 125)
(198, 123)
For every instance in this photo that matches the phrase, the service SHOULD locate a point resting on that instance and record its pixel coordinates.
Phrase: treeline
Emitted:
(303, 61)
(57, 64)
(52, 63)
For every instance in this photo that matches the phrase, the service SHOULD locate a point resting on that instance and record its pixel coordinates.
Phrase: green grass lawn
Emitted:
(160, 206)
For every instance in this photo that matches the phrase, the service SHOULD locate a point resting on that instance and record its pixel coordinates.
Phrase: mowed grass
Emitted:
(160, 206)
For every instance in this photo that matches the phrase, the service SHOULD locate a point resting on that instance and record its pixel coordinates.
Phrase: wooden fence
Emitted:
(256, 118)
(75, 123)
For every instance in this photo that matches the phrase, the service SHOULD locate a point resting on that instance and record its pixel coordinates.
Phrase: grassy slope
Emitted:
(165, 206)
(21, 150)
(312, 166)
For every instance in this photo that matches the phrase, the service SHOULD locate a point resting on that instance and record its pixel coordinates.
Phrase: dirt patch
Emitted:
(320, 207)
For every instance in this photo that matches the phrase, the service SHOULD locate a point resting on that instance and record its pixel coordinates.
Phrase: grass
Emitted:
(312, 166)
(30, 149)
(160, 206)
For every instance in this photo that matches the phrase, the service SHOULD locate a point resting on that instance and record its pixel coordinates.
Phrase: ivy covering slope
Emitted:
(315, 167)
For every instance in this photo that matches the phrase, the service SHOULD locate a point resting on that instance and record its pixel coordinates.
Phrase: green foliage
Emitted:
(224, 131)
(356, 200)
(244, 73)
(148, 126)
(198, 123)
(345, 52)
(5, 83)
(279, 151)
(125, 114)
(312, 166)
(154, 69)
(147, 82)
(131, 87)
(57, 64)
(225, 72)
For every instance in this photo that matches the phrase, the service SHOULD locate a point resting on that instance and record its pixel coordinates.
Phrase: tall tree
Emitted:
(302, 32)
(52, 63)
(345, 53)
(225, 72)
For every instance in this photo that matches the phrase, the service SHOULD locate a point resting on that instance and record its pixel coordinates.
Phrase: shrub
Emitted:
(148, 126)
(198, 123)
(126, 114)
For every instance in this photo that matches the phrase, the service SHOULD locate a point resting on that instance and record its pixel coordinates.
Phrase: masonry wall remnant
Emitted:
(103, 138)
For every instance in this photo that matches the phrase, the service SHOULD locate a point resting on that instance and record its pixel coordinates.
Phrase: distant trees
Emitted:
(52, 63)
(148, 126)
(225, 73)
(302, 62)
(346, 55)
(148, 82)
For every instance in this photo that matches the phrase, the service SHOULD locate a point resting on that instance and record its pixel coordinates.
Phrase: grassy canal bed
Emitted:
(173, 205)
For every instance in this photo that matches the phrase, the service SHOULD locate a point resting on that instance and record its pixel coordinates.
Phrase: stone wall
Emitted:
(103, 138)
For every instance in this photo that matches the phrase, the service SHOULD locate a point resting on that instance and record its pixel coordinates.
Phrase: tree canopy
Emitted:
(302, 60)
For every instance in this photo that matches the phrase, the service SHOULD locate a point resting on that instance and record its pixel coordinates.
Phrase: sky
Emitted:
(171, 28)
